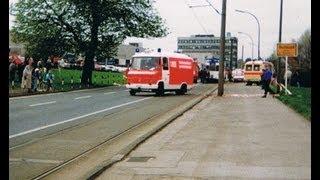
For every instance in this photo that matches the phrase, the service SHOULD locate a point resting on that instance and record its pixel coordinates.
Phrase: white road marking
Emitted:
(39, 104)
(47, 161)
(109, 93)
(126, 90)
(82, 97)
(38, 95)
(76, 118)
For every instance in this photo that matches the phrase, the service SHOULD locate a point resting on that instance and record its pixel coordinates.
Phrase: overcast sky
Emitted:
(184, 21)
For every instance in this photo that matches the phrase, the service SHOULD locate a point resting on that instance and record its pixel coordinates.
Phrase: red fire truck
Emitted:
(160, 72)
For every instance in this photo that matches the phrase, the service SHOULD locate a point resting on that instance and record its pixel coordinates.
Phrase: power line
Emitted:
(213, 7)
(198, 20)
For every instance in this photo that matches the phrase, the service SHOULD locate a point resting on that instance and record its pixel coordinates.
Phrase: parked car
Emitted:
(68, 61)
(121, 68)
(99, 66)
(110, 68)
(238, 75)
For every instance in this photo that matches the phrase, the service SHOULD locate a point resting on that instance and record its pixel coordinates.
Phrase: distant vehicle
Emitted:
(253, 71)
(120, 68)
(110, 68)
(68, 61)
(160, 72)
(238, 75)
(212, 65)
(99, 66)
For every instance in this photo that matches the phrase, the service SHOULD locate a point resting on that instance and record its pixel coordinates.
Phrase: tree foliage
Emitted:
(90, 27)
(304, 52)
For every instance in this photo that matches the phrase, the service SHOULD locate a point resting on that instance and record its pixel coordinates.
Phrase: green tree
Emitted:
(304, 51)
(94, 28)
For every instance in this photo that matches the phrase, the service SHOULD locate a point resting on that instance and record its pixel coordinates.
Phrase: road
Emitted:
(26, 114)
(87, 119)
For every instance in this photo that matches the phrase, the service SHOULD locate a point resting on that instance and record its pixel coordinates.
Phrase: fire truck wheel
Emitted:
(160, 90)
(132, 92)
(182, 90)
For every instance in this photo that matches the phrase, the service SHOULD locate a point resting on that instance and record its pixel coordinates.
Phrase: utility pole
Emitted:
(242, 53)
(222, 48)
(280, 33)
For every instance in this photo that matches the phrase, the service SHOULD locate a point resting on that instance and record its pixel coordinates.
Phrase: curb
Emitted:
(99, 169)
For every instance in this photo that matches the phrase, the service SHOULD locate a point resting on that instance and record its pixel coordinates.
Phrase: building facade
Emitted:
(125, 53)
(207, 45)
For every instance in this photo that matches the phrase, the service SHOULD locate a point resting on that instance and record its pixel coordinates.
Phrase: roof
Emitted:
(161, 54)
(258, 62)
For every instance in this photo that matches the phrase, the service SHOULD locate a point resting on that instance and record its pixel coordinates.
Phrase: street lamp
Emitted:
(240, 11)
(251, 42)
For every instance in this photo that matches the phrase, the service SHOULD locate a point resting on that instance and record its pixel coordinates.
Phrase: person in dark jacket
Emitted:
(203, 75)
(267, 75)
(262, 80)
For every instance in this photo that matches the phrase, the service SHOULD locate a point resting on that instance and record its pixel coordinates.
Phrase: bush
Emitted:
(98, 78)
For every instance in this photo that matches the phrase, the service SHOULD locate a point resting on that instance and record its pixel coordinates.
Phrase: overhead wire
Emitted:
(197, 18)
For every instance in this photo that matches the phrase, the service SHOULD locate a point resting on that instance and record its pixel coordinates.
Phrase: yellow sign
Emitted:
(287, 49)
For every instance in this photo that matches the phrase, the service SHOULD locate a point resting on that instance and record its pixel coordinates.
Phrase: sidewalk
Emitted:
(239, 136)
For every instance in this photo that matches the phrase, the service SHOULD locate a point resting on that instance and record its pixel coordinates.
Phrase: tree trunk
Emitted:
(86, 78)
(88, 66)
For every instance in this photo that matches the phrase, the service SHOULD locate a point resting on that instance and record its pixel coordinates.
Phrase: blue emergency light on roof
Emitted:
(159, 49)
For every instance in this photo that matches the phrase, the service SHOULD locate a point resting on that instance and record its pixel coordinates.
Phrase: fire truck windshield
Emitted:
(145, 63)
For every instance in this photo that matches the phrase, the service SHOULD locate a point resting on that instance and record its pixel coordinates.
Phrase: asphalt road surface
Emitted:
(28, 115)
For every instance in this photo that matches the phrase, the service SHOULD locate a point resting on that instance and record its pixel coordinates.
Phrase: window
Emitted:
(249, 67)
(256, 67)
(145, 63)
(165, 63)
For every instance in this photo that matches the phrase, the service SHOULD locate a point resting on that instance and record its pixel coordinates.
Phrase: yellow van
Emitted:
(253, 71)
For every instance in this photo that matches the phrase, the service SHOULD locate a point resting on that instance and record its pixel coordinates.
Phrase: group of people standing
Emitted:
(34, 77)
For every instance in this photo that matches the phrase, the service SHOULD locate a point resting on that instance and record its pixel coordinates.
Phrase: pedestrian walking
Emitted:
(35, 79)
(267, 75)
(262, 80)
(12, 72)
(27, 75)
(202, 75)
(49, 80)
(41, 75)
(48, 63)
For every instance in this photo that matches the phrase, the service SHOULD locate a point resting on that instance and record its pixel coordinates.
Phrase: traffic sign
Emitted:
(287, 49)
